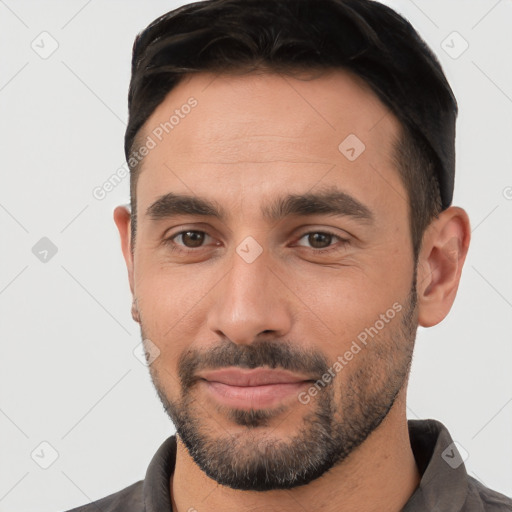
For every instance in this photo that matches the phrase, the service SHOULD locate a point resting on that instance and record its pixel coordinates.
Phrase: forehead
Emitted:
(254, 128)
(264, 104)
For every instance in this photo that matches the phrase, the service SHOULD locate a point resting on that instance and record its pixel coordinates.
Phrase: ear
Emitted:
(442, 255)
(122, 218)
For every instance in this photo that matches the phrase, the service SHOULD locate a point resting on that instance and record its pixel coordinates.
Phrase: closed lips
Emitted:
(256, 377)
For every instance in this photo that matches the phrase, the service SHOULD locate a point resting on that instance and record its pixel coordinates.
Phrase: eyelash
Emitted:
(179, 249)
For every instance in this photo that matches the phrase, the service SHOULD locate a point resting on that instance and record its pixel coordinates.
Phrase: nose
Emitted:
(250, 301)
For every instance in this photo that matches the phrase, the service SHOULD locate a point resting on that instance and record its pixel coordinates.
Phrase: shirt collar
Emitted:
(156, 489)
(444, 481)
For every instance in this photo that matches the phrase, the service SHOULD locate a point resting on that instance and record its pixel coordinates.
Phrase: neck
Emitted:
(380, 475)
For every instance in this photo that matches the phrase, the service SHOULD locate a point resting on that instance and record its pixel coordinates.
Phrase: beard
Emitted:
(339, 418)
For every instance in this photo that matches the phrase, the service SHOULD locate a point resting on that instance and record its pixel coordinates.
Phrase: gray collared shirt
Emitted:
(445, 485)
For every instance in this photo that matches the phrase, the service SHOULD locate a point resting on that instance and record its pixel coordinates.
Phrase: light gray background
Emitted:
(68, 374)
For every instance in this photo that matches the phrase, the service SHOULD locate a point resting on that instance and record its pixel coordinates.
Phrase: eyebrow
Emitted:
(331, 202)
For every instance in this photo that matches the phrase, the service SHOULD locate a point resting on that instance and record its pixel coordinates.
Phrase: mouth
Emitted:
(252, 389)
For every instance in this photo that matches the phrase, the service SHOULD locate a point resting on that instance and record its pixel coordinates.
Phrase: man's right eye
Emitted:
(187, 240)
(191, 238)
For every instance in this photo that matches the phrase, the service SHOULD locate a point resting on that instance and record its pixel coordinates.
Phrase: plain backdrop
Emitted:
(68, 374)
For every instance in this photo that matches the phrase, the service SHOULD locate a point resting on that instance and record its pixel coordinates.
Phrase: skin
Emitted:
(250, 139)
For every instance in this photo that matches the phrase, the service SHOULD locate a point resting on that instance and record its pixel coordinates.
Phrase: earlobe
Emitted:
(135, 311)
(442, 255)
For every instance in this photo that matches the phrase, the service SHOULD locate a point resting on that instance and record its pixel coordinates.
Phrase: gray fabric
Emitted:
(443, 488)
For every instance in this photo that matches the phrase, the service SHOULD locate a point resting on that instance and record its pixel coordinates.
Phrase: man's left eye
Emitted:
(321, 239)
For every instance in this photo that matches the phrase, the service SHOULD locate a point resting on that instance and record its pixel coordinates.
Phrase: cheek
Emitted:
(164, 293)
(163, 307)
(348, 303)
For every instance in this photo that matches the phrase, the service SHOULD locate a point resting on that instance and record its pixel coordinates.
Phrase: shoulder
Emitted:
(485, 498)
(129, 499)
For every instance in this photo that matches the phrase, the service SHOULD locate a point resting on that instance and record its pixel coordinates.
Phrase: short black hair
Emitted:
(364, 37)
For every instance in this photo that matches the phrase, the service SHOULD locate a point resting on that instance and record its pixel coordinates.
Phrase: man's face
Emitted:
(320, 288)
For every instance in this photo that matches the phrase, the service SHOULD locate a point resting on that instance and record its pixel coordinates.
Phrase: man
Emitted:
(292, 169)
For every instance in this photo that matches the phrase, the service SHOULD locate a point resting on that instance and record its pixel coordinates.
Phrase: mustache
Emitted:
(267, 353)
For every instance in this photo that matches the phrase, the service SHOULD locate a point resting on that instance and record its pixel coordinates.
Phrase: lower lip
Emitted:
(254, 397)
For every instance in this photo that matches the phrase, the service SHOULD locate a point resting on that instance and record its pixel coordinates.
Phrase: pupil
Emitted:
(195, 237)
(319, 238)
